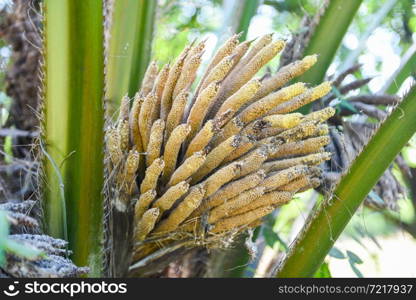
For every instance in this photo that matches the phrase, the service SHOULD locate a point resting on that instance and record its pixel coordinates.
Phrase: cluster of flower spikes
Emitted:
(202, 166)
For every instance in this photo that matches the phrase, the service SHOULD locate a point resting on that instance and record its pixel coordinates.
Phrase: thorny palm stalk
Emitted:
(330, 25)
(238, 15)
(73, 122)
(212, 164)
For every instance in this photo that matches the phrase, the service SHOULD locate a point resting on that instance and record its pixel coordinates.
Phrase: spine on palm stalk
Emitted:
(195, 169)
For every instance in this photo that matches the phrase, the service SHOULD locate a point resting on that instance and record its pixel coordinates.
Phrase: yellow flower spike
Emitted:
(124, 133)
(200, 108)
(130, 168)
(258, 45)
(218, 73)
(182, 211)
(321, 90)
(155, 141)
(132, 163)
(225, 50)
(241, 97)
(146, 224)
(135, 137)
(315, 171)
(160, 81)
(152, 175)
(246, 145)
(275, 198)
(201, 139)
(233, 127)
(196, 50)
(187, 168)
(284, 75)
(313, 184)
(221, 177)
(308, 62)
(241, 57)
(174, 73)
(269, 132)
(124, 109)
(222, 119)
(255, 224)
(158, 91)
(271, 126)
(242, 219)
(273, 181)
(321, 130)
(113, 146)
(253, 161)
(266, 104)
(226, 209)
(299, 132)
(254, 65)
(175, 115)
(310, 160)
(149, 78)
(166, 201)
(240, 51)
(320, 115)
(299, 184)
(231, 190)
(172, 148)
(303, 147)
(145, 118)
(216, 156)
(143, 204)
(303, 99)
(255, 128)
(187, 75)
(284, 121)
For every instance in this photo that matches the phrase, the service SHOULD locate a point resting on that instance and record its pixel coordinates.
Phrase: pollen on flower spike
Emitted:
(204, 164)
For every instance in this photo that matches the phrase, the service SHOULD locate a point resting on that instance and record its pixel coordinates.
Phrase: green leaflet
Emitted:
(130, 46)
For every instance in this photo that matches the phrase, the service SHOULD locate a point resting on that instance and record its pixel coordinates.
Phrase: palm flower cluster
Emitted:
(199, 167)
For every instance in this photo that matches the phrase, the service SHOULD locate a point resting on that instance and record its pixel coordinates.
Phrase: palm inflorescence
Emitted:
(203, 161)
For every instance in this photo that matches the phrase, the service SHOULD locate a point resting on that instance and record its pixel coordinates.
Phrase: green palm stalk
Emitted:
(328, 35)
(129, 51)
(248, 10)
(73, 123)
(407, 68)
